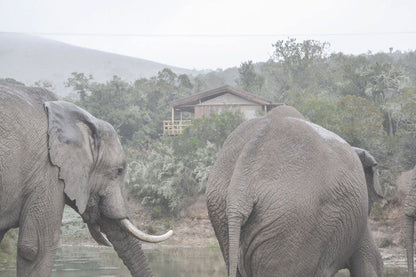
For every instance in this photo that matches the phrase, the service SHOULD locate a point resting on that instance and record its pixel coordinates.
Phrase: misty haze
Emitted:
(207, 138)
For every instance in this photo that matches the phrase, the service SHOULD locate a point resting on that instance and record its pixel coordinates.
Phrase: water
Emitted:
(177, 262)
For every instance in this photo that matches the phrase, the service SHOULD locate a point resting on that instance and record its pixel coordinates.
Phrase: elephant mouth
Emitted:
(128, 227)
(96, 234)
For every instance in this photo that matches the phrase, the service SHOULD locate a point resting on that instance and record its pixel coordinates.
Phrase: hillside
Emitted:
(29, 59)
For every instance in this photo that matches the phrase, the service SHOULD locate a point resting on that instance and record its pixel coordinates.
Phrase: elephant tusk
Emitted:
(129, 227)
(97, 235)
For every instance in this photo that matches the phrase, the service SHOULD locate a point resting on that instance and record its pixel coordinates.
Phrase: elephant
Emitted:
(287, 197)
(54, 153)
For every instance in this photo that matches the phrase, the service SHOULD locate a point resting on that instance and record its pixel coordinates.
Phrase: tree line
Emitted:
(368, 99)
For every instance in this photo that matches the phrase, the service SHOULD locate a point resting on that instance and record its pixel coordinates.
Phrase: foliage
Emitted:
(177, 169)
(160, 181)
(120, 105)
(163, 181)
(358, 121)
(368, 99)
(320, 111)
(302, 62)
(299, 54)
(8, 246)
(213, 128)
(135, 110)
(249, 80)
(79, 82)
(44, 84)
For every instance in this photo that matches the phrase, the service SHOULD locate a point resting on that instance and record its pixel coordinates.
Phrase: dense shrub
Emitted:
(177, 169)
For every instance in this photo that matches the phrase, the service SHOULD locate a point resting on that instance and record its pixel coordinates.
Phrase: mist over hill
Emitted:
(29, 59)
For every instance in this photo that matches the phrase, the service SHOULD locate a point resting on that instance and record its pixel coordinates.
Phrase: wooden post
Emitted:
(173, 114)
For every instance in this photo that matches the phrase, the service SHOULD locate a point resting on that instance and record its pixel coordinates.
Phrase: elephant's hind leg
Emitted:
(366, 261)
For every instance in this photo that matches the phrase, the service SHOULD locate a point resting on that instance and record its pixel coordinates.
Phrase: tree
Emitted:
(248, 79)
(359, 122)
(403, 110)
(351, 71)
(184, 81)
(383, 86)
(176, 169)
(44, 84)
(304, 67)
(320, 111)
(80, 83)
(294, 54)
(167, 76)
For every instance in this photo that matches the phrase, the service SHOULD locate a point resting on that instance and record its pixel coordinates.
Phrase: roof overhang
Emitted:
(188, 103)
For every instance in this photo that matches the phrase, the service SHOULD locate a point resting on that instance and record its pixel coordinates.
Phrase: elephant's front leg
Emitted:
(366, 261)
(39, 231)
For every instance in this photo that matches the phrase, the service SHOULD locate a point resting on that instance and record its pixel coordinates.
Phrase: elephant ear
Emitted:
(371, 175)
(73, 146)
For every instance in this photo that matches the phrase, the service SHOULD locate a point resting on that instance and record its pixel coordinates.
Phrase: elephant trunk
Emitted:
(409, 244)
(128, 248)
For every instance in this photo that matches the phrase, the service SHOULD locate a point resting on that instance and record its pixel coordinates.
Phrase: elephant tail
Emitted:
(409, 244)
(241, 195)
(234, 230)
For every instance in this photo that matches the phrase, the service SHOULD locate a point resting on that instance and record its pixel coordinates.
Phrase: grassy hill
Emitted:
(29, 59)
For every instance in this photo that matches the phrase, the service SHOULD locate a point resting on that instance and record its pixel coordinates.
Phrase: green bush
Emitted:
(169, 177)
(8, 246)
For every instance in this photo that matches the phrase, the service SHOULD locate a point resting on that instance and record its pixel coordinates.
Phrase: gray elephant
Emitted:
(54, 153)
(287, 197)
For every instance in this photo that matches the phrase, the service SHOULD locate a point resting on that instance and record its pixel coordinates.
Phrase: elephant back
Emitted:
(32, 96)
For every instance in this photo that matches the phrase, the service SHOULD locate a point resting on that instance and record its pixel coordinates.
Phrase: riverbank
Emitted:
(193, 229)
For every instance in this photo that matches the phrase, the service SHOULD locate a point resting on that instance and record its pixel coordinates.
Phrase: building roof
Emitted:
(207, 95)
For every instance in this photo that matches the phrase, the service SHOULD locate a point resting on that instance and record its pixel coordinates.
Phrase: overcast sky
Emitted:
(214, 34)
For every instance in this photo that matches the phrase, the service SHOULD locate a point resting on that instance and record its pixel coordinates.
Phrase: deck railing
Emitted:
(175, 127)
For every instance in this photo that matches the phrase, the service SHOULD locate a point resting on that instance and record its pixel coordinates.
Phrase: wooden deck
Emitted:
(175, 127)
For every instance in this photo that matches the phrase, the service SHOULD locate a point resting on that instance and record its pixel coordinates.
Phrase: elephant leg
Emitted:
(366, 261)
(39, 231)
(220, 224)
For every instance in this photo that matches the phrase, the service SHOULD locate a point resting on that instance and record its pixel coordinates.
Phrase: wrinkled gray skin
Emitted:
(289, 198)
(410, 214)
(52, 153)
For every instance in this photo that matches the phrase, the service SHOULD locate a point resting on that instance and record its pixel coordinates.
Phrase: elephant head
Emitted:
(371, 176)
(92, 166)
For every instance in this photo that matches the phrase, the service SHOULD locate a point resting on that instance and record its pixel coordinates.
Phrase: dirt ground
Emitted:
(191, 229)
